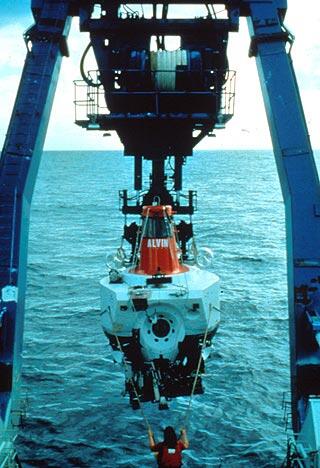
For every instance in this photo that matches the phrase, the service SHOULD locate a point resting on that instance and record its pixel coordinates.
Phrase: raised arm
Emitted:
(184, 438)
(152, 443)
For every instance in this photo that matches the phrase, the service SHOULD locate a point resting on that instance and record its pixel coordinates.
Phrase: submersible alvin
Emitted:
(160, 312)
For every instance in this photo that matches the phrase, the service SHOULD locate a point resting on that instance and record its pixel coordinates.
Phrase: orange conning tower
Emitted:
(159, 252)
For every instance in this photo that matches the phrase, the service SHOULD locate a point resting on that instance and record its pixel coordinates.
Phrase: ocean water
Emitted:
(77, 416)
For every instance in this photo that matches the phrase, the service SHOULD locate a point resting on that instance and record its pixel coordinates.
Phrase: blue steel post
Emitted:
(300, 188)
(46, 42)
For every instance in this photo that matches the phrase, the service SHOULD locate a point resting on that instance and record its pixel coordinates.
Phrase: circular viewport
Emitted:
(161, 328)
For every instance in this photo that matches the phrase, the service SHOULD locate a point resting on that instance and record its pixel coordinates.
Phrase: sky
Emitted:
(247, 130)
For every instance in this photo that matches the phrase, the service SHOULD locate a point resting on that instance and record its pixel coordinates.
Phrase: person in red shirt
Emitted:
(169, 451)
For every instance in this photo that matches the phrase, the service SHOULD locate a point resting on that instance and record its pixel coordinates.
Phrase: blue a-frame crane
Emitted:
(149, 115)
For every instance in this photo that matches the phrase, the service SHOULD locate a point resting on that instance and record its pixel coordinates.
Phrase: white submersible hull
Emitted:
(162, 323)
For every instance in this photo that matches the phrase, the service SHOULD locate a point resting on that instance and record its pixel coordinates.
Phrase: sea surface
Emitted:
(77, 415)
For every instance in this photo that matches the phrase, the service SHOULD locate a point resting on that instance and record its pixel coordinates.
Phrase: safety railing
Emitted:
(91, 98)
